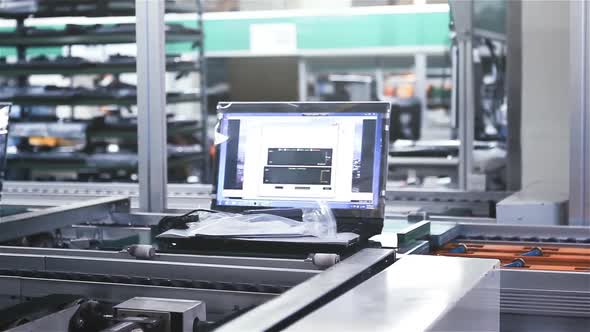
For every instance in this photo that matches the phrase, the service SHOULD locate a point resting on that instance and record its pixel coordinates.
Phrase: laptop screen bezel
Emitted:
(383, 108)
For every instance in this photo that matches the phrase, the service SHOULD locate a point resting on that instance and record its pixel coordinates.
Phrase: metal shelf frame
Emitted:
(83, 39)
(55, 8)
(95, 100)
(579, 202)
(86, 68)
(151, 99)
(151, 63)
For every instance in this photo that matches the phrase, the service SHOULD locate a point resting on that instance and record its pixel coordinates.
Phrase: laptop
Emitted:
(4, 116)
(289, 155)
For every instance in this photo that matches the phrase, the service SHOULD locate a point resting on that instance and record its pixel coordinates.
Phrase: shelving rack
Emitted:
(23, 38)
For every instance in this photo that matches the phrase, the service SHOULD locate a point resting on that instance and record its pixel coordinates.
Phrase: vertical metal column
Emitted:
(465, 106)
(151, 102)
(302, 75)
(579, 201)
(21, 55)
(514, 94)
(207, 176)
(21, 51)
(420, 69)
(466, 112)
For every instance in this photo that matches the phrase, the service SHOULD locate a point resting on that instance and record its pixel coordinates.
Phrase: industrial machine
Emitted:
(74, 259)
(60, 284)
(61, 288)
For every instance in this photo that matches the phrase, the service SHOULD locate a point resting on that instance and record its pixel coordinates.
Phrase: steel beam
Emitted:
(302, 75)
(207, 175)
(159, 269)
(462, 15)
(514, 95)
(151, 102)
(47, 220)
(579, 202)
(260, 262)
(181, 196)
(292, 305)
(420, 70)
(177, 270)
(184, 197)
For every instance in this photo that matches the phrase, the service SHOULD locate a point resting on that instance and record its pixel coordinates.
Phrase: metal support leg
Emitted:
(465, 104)
(466, 111)
(514, 91)
(206, 176)
(455, 82)
(302, 75)
(151, 101)
(579, 202)
(420, 68)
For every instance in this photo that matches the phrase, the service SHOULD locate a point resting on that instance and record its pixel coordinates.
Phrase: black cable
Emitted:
(497, 95)
(180, 222)
(199, 210)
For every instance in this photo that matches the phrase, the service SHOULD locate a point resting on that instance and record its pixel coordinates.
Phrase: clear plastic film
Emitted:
(320, 221)
(317, 222)
(220, 138)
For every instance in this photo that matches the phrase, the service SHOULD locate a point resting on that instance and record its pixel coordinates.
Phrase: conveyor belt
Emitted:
(545, 257)
(524, 239)
(140, 280)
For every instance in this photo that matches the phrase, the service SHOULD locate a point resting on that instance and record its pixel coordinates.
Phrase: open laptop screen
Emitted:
(293, 154)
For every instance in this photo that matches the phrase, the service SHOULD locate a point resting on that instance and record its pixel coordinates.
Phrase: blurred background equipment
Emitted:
(73, 85)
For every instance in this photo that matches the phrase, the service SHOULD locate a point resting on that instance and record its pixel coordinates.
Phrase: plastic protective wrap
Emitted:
(318, 222)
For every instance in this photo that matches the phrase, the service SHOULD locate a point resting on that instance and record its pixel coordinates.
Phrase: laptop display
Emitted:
(294, 154)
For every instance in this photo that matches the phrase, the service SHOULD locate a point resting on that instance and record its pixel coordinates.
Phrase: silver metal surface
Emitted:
(304, 298)
(466, 113)
(446, 195)
(417, 293)
(524, 232)
(462, 17)
(176, 270)
(22, 262)
(548, 293)
(420, 71)
(159, 269)
(207, 175)
(302, 76)
(184, 197)
(180, 196)
(534, 205)
(259, 262)
(151, 103)
(442, 202)
(58, 321)
(184, 310)
(298, 301)
(424, 161)
(96, 210)
(455, 82)
(579, 208)
(514, 92)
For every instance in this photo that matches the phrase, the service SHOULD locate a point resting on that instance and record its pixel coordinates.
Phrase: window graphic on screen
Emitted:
(289, 159)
